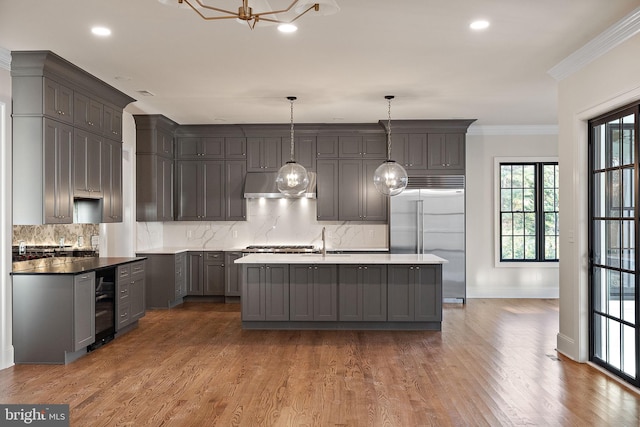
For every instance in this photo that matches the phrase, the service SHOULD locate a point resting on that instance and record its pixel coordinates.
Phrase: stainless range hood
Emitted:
(263, 185)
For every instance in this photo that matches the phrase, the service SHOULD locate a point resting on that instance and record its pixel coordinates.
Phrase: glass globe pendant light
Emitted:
(292, 179)
(390, 178)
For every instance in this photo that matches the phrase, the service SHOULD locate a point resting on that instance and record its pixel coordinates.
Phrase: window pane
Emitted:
(598, 147)
(613, 135)
(629, 350)
(628, 188)
(627, 251)
(599, 337)
(507, 247)
(599, 289)
(505, 176)
(613, 293)
(612, 243)
(505, 200)
(599, 241)
(507, 224)
(613, 345)
(628, 297)
(598, 194)
(529, 172)
(517, 176)
(529, 200)
(518, 247)
(518, 223)
(627, 139)
(517, 201)
(530, 247)
(613, 199)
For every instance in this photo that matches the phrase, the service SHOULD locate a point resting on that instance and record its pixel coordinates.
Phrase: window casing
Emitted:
(529, 203)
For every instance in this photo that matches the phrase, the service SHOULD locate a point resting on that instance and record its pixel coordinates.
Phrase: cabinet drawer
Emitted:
(123, 291)
(137, 267)
(124, 314)
(124, 271)
(215, 256)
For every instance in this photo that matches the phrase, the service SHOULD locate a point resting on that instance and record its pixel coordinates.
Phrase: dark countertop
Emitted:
(75, 265)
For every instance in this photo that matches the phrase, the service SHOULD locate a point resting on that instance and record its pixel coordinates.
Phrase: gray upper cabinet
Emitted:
(58, 193)
(111, 158)
(304, 151)
(52, 100)
(88, 113)
(365, 147)
(195, 148)
(264, 154)
(112, 123)
(58, 101)
(446, 152)
(358, 198)
(234, 202)
(327, 190)
(327, 147)
(200, 190)
(87, 175)
(154, 168)
(235, 148)
(410, 150)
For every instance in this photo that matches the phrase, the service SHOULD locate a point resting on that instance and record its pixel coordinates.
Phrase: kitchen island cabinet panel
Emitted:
(53, 317)
(265, 293)
(313, 293)
(362, 292)
(415, 293)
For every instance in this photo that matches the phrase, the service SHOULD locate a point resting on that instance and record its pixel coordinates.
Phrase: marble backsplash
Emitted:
(74, 235)
(269, 221)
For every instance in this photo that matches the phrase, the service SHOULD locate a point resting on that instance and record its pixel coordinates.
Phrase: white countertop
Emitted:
(340, 259)
(170, 250)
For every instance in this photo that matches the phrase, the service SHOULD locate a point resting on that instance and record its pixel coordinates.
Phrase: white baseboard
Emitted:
(6, 357)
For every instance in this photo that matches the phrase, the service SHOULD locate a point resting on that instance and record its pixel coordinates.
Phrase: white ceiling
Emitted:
(339, 66)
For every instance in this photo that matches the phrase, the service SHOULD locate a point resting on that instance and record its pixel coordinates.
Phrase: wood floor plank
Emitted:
(493, 364)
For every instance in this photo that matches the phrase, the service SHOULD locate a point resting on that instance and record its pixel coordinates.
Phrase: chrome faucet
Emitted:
(324, 241)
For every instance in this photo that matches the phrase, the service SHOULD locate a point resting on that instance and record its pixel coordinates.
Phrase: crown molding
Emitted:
(618, 33)
(513, 130)
(5, 59)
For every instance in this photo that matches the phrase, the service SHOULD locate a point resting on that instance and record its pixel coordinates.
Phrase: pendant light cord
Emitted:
(291, 99)
(389, 98)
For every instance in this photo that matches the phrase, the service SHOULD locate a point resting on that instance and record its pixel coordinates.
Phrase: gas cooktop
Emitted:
(280, 249)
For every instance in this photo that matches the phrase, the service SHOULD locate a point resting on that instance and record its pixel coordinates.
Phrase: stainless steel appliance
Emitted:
(429, 217)
(280, 249)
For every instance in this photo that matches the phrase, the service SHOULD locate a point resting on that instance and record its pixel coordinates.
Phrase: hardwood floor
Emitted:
(493, 364)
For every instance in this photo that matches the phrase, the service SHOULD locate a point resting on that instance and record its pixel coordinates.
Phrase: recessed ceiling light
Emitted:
(287, 28)
(480, 24)
(101, 31)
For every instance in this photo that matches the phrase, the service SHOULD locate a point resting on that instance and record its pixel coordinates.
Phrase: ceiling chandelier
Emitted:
(292, 179)
(390, 178)
(254, 11)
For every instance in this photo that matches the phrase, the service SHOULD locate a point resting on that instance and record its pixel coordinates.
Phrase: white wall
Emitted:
(119, 239)
(485, 277)
(6, 347)
(611, 81)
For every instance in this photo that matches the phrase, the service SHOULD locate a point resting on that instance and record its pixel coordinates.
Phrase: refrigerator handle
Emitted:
(419, 226)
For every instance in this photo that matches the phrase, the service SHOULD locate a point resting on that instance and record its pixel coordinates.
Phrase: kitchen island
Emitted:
(342, 291)
(63, 307)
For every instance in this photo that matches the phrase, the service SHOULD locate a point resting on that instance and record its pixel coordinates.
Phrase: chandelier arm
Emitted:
(315, 6)
(204, 6)
(279, 11)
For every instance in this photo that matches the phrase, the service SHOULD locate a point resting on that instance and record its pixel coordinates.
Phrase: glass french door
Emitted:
(614, 227)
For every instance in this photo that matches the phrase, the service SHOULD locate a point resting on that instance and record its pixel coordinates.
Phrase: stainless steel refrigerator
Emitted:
(429, 217)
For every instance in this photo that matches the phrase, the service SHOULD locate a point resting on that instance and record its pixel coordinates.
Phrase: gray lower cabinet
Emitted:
(130, 291)
(313, 292)
(206, 273)
(165, 279)
(415, 293)
(232, 274)
(265, 292)
(362, 293)
(53, 317)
